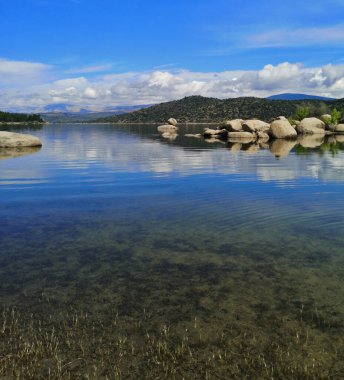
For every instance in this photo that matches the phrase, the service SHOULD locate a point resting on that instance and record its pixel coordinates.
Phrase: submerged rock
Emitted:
(311, 126)
(13, 140)
(282, 129)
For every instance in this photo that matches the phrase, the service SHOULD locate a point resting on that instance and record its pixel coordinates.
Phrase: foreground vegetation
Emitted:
(77, 346)
(8, 117)
(202, 109)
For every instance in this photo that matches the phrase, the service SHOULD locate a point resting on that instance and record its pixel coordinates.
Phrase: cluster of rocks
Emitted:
(169, 130)
(18, 140)
(280, 128)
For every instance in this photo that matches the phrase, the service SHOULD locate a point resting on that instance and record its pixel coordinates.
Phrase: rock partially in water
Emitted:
(281, 148)
(215, 133)
(255, 126)
(262, 136)
(310, 141)
(311, 126)
(241, 140)
(172, 121)
(6, 153)
(241, 135)
(14, 140)
(339, 128)
(233, 125)
(167, 128)
(282, 129)
(339, 138)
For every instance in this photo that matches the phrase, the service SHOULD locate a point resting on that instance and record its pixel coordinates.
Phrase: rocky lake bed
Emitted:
(132, 252)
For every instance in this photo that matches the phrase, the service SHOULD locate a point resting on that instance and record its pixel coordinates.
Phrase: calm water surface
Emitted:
(108, 217)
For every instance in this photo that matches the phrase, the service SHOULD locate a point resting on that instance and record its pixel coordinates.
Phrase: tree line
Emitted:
(9, 117)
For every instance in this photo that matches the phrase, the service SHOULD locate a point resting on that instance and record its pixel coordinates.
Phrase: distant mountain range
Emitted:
(195, 109)
(202, 109)
(289, 96)
(58, 113)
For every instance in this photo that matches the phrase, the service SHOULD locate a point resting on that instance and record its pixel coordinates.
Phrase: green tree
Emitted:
(302, 112)
(335, 116)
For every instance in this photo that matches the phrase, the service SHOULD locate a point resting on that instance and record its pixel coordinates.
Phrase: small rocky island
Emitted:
(258, 130)
(280, 136)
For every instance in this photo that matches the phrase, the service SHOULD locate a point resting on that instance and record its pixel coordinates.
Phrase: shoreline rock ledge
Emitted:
(15, 140)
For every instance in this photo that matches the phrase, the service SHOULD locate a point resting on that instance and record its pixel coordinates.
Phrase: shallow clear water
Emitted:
(119, 217)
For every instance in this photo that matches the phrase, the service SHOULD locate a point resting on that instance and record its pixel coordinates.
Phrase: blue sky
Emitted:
(44, 42)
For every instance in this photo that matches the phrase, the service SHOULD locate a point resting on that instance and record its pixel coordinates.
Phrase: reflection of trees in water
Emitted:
(21, 127)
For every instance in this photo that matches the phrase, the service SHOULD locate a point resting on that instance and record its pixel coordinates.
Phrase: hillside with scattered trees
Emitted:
(202, 109)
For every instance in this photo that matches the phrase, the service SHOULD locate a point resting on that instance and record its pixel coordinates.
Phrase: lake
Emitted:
(126, 255)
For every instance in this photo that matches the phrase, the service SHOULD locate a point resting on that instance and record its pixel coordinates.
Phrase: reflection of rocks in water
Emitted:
(169, 135)
(234, 147)
(310, 141)
(251, 148)
(6, 153)
(213, 140)
(263, 144)
(331, 140)
(246, 140)
(197, 135)
(280, 148)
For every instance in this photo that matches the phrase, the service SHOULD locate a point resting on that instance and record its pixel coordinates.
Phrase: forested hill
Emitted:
(8, 117)
(201, 109)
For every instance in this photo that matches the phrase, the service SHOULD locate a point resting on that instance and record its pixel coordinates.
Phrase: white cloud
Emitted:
(298, 37)
(132, 88)
(90, 93)
(19, 73)
(90, 69)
